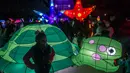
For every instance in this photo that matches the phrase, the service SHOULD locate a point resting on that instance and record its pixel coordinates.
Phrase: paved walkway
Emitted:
(84, 69)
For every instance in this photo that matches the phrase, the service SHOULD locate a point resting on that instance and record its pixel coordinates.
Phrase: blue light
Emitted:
(62, 11)
(52, 4)
(46, 20)
(40, 14)
(54, 18)
(60, 14)
(41, 19)
(52, 8)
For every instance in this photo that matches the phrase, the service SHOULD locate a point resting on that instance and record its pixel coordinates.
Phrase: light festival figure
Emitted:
(11, 55)
(100, 53)
(52, 15)
(79, 12)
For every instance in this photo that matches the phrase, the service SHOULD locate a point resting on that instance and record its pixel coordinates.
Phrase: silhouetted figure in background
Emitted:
(108, 31)
(99, 29)
(11, 28)
(124, 62)
(41, 53)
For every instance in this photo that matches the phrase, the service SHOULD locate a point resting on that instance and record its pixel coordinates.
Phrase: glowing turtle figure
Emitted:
(100, 53)
(12, 53)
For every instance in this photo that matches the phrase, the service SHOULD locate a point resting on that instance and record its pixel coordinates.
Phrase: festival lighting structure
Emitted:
(79, 12)
(52, 17)
(39, 13)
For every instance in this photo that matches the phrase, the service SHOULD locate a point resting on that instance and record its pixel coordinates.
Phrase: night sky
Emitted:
(25, 7)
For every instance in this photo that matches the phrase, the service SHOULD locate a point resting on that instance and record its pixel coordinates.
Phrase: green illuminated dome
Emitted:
(12, 53)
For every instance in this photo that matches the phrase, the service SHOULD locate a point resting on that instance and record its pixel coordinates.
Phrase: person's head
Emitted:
(107, 24)
(89, 21)
(102, 25)
(112, 18)
(8, 22)
(41, 38)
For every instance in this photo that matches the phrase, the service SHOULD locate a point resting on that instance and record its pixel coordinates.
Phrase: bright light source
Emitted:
(52, 4)
(56, 6)
(54, 18)
(79, 14)
(69, 5)
(78, 2)
(66, 12)
(46, 20)
(40, 14)
(62, 11)
(41, 19)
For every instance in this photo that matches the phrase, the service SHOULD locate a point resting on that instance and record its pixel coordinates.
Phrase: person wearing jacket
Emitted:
(41, 53)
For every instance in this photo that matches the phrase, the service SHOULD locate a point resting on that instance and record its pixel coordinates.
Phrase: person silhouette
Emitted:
(41, 53)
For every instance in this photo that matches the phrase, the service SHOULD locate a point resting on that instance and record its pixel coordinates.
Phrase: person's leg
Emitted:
(47, 68)
(39, 70)
(124, 70)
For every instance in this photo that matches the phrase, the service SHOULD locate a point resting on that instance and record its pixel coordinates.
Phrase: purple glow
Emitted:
(96, 57)
(102, 48)
(63, 5)
(69, 6)
(91, 42)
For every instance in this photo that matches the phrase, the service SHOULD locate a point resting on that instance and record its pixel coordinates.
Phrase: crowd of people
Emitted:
(72, 28)
(7, 28)
(77, 30)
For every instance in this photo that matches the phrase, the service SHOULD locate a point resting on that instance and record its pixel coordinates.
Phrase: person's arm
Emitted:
(27, 61)
(111, 32)
(119, 62)
(52, 54)
(98, 31)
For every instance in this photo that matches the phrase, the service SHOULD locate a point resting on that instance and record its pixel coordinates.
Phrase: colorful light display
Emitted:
(55, 9)
(63, 5)
(79, 12)
(51, 17)
(100, 53)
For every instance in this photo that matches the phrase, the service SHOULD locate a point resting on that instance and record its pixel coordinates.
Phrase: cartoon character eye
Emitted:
(111, 51)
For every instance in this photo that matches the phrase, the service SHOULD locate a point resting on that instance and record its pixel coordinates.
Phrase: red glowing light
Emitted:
(78, 2)
(79, 12)
(66, 12)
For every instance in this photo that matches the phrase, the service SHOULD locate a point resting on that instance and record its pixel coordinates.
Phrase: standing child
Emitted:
(41, 53)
